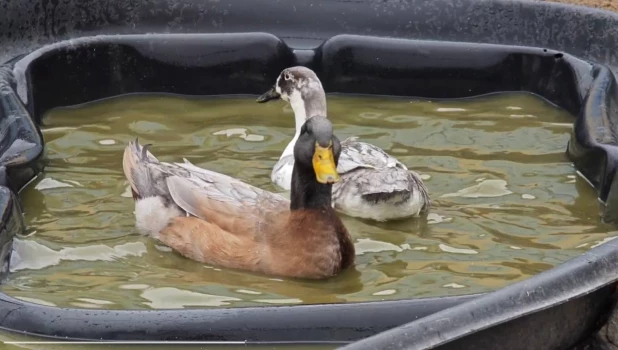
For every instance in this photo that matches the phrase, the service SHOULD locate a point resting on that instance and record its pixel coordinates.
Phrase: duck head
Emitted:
(301, 87)
(316, 155)
(319, 149)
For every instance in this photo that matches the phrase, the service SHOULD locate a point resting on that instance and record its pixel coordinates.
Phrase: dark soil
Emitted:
(611, 5)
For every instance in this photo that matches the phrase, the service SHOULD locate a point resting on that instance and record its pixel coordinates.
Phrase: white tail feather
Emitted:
(152, 216)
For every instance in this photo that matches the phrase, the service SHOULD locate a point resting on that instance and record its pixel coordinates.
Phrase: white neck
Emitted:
(300, 116)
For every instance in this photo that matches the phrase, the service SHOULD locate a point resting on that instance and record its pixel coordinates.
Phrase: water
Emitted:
(507, 202)
(13, 341)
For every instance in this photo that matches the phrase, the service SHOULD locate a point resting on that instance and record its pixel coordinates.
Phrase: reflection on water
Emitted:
(15, 341)
(507, 203)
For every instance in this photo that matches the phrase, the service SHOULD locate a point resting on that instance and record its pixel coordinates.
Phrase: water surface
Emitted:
(507, 202)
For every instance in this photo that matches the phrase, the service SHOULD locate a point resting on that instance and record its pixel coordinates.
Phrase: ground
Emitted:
(603, 4)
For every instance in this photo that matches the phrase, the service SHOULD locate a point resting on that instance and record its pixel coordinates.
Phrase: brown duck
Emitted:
(218, 220)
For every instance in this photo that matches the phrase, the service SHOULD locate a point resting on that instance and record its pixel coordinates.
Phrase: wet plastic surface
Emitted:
(553, 310)
(583, 32)
(556, 309)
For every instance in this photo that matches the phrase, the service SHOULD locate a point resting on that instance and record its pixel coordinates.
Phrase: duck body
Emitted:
(374, 185)
(218, 220)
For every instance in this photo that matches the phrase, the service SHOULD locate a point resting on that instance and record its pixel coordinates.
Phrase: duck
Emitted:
(218, 220)
(374, 185)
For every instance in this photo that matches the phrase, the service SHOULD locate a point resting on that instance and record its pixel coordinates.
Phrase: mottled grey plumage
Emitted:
(378, 176)
(149, 177)
(376, 185)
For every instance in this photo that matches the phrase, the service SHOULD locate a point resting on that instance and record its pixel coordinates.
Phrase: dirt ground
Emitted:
(603, 4)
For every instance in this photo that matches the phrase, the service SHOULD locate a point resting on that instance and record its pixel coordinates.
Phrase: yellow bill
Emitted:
(324, 164)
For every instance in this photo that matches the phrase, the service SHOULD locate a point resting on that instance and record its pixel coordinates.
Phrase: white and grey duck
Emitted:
(374, 185)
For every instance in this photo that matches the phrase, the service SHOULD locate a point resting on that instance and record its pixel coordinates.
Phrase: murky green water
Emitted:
(507, 203)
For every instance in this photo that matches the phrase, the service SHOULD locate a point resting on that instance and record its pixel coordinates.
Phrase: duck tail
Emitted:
(154, 207)
(152, 215)
(132, 167)
(135, 164)
(418, 185)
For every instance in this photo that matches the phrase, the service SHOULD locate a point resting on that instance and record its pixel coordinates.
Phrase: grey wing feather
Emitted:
(226, 189)
(183, 195)
(372, 169)
(356, 154)
(149, 177)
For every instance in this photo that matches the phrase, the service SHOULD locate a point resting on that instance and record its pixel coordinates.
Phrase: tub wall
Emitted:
(583, 32)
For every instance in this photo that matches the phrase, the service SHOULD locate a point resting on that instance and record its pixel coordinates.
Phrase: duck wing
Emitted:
(184, 187)
(376, 171)
(356, 154)
(233, 205)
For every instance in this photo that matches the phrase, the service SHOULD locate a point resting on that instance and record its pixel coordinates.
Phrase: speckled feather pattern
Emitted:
(380, 180)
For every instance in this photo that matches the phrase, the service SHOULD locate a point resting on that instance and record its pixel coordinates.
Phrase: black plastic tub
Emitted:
(67, 53)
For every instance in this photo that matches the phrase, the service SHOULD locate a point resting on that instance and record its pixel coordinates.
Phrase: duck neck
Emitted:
(306, 192)
(305, 106)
